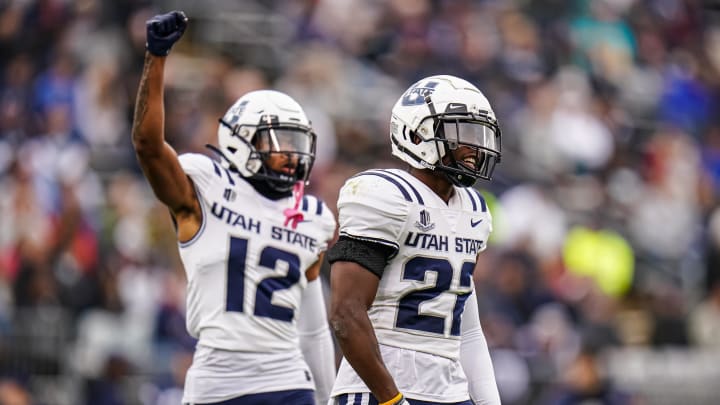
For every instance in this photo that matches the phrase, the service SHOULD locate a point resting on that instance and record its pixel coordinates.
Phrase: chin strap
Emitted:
(293, 216)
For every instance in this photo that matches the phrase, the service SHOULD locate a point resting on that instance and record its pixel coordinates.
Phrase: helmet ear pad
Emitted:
(414, 138)
(238, 152)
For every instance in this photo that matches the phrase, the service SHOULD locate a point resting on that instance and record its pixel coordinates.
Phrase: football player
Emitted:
(403, 305)
(250, 241)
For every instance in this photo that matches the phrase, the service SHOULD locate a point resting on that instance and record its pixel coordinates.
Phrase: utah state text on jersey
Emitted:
(429, 241)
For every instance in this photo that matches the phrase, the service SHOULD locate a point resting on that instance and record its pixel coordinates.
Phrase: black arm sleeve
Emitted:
(371, 255)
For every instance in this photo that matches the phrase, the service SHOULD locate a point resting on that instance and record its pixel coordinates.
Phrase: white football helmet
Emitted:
(262, 123)
(440, 114)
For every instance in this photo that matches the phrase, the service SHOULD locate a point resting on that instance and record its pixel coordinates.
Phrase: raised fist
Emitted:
(164, 30)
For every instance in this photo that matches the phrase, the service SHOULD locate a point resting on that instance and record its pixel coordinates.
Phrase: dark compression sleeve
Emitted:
(371, 255)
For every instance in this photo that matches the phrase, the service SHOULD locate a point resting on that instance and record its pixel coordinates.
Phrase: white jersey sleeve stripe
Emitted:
(219, 173)
(217, 169)
(472, 199)
(483, 205)
(397, 184)
(229, 176)
(417, 194)
(310, 200)
(305, 203)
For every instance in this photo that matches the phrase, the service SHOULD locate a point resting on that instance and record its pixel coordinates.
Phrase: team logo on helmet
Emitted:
(417, 93)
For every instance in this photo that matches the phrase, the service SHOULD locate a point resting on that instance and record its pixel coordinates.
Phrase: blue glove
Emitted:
(163, 31)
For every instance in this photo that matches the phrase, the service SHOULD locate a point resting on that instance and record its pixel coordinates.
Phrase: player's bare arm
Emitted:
(313, 272)
(157, 158)
(353, 291)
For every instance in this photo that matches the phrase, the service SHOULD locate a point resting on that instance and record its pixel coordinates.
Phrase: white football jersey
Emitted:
(422, 292)
(245, 269)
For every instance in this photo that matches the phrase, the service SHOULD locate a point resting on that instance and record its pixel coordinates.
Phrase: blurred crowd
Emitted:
(602, 281)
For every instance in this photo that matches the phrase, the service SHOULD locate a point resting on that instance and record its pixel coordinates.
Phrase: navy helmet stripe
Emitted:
(391, 180)
(417, 194)
(472, 199)
(482, 200)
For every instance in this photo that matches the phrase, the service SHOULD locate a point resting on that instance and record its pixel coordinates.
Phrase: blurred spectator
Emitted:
(168, 389)
(584, 382)
(705, 319)
(516, 291)
(604, 40)
(12, 393)
(107, 389)
(704, 322)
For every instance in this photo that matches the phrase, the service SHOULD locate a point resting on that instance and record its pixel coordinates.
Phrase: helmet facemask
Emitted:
(477, 135)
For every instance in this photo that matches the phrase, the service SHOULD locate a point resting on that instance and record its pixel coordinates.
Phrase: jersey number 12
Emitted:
(269, 258)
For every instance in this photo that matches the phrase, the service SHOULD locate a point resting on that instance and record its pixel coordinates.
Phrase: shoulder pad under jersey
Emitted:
(373, 205)
(205, 172)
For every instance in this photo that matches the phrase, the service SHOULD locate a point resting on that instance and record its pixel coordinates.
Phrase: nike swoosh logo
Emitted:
(474, 223)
